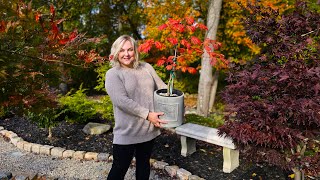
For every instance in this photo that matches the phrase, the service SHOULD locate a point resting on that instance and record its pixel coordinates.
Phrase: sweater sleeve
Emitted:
(159, 83)
(119, 97)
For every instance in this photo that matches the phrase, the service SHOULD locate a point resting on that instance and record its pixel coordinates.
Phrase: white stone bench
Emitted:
(191, 132)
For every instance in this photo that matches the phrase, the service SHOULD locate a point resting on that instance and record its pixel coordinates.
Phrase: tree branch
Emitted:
(42, 59)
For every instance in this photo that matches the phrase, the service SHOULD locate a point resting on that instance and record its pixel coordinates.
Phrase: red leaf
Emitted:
(173, 41)
(81, 54)
(63, 41)
(173, 21)
(189, 20)
(198, 51)
(178, 27)
(37, 16)
(207, 42)
(73, 35)
(283, 77)
(195, 40)
(161, 61)
(52, 11)
(3, 26)
(189, 51)
(185, 43)
(170, 59)
(192, 70)
(145, 47)
(207, 48)
(216, 45)
(213, 61)
(181, 50)
(162, 27)
(213, 54)
(60, 21)
(169, 67)
(159, 45)
(191, 28)
(183, 69)
(202, 26)
(180, 59)
(55, 30)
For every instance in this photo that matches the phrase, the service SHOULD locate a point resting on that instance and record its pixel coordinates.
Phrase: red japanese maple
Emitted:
(184, 36)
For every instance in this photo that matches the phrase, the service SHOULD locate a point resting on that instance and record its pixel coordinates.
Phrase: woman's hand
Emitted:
(153, 117)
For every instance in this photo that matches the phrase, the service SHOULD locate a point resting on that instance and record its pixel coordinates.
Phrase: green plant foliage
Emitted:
(77, 108)
(214, 120)
(3, 112)
(105, 108)
(188, 83)
(101, 71)
(45, 119)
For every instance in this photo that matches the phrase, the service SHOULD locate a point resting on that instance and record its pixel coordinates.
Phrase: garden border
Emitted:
(58, 152)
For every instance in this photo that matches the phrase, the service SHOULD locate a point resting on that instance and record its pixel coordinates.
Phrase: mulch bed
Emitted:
(206, 162)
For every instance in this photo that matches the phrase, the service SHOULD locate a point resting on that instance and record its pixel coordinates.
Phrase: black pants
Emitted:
(123, 155)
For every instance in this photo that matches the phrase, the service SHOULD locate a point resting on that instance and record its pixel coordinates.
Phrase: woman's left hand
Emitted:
(153, 117)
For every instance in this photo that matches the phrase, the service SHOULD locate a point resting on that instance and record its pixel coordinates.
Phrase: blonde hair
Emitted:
(116, 47)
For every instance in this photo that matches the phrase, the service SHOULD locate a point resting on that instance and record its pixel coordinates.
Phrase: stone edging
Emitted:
(173, 171)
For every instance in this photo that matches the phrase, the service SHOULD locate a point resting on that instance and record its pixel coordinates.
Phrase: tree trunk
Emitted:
(213, 88)
(49, 132)
(298, 175)
(207, 83)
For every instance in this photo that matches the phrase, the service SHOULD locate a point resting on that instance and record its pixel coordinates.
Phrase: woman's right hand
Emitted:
(153, 117)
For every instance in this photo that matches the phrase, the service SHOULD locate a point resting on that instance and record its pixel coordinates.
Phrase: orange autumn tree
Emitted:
(238, 47)
(181, 46)
(158, 11)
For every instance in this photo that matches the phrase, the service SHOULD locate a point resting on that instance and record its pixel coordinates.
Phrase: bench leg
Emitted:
(188, 146)
(230, 159)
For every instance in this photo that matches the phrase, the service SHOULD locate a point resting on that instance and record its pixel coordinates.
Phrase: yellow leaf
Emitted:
(291, 176)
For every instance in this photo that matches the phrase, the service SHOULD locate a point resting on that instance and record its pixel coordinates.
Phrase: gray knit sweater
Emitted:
(131, 92)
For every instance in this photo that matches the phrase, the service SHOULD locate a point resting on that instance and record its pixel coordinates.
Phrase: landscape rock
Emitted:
(96, 128)
(183, 174)
(172, 170)
(160, 165)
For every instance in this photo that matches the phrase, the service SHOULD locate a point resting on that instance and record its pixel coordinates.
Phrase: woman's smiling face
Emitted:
(126, 55)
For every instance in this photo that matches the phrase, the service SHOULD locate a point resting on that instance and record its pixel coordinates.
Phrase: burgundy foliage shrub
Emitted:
(275, 100)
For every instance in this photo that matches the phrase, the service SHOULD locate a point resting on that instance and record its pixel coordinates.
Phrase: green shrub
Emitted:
(105, 108)
(3, 112)
(47, 118)
(101, 70)
(76, 107)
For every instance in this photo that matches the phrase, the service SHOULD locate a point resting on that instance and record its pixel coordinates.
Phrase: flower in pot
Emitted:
(181, 41)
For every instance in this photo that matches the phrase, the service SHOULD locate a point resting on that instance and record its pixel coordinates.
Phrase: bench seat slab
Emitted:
(204, 133)
(191, 132)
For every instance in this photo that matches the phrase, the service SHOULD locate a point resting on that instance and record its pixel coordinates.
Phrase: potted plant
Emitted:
(181, 42)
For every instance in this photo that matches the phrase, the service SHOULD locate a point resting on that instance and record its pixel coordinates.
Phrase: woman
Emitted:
(130, 85)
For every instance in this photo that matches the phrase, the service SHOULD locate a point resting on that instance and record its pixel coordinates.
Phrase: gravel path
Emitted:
(20, 162)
